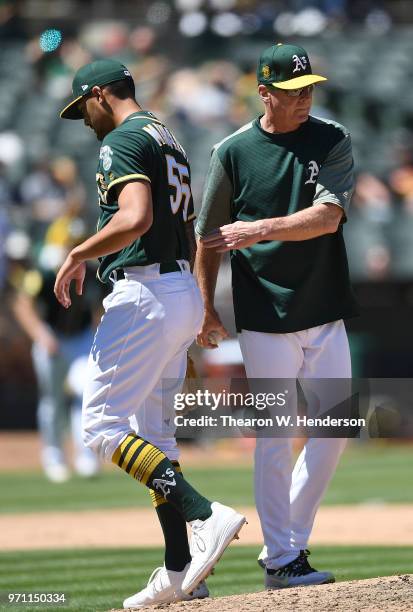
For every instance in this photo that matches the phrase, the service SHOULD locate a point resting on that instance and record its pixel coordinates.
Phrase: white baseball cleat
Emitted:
(296, 573)
(57, 472)
(209, 540)
(87, 466)
(161, 588)
(199, 592)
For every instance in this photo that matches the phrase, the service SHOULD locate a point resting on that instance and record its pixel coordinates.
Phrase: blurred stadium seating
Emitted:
(194, 65)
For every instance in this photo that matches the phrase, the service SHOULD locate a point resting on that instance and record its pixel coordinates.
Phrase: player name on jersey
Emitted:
(164, 137)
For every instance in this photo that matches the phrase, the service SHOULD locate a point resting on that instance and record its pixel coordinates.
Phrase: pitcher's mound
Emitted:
(388, 594)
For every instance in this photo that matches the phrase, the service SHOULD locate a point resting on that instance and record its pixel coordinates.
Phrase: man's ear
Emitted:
(98, 93)
(264, 93)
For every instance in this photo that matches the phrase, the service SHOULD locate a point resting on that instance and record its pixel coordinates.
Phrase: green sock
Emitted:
(173, 525)
(146, 463)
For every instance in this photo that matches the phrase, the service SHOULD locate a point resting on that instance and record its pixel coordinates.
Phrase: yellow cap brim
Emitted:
(301, 81)
(71, 111)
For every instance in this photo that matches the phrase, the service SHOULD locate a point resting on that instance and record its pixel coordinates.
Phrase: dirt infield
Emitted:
(20, 451)
(363, 524)
(389, 594)
(349, 525)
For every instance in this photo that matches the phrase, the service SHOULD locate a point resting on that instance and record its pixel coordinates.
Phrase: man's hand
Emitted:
(72, 269)
(306, 224)
(238, 235)
(211, 325)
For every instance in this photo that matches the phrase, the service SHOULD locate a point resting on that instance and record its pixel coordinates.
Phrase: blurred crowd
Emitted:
(193, 62)
(47, 165)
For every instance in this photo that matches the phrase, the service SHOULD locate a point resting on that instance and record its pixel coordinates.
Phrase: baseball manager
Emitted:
(276, 196)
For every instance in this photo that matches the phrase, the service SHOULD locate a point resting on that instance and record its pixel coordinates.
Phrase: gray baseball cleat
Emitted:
(296, 573)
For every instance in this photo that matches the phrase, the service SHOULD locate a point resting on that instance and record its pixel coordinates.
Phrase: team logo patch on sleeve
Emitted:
(312, 172)
(105, 155)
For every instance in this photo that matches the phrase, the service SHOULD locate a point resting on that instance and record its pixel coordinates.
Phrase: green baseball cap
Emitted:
(286, 67)
(100, 73)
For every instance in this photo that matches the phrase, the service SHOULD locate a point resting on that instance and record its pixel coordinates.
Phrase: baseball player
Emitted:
(276, 196)
(60, 339)
(138, 358)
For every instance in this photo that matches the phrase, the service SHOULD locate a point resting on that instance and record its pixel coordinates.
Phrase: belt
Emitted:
(164, 268)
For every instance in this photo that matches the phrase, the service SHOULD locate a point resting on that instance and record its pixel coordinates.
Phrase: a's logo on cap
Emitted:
(126, 72)
(300, 63)
(84, 87)
(266, 72)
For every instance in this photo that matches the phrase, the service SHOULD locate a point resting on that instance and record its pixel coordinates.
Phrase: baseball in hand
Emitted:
(215, 337)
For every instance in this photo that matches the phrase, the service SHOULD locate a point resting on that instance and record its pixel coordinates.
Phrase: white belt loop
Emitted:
(184, 265)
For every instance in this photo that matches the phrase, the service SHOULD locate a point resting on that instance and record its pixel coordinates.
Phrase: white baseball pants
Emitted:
(149, 322)
(287, 499)
(52, 372)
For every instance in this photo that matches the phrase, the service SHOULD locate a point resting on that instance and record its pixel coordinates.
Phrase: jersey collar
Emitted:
(281, 135)
(139, 115)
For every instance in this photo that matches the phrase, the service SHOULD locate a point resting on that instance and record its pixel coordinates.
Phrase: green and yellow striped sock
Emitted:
(146, 463)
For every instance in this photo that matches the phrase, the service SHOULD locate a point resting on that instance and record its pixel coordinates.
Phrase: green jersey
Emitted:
(283, 286)
(142, 148)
